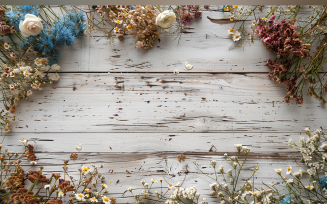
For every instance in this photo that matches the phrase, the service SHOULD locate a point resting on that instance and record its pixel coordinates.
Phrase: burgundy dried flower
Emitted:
(281, 38)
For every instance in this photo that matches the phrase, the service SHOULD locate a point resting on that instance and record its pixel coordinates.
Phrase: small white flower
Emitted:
(130, 189)
(237, 36)
(310, 187)
(324, 147)
(106, 200)
(298, 174)
(93, 200)
(213, 163)
(78, 147)
(23, 141)
(245, 149)
(238, 147)
(104, 185)
(188, 66)
(279, 171)
(6, 46)
(16, 70)
(12, 87)
(290, 181)
(60, 194)
(86, 169)
(55, 67)
(54, 77)
(79, 196)
(289, 170)
(213, 186)
(231, 31)
(33, 162)
(307, 130)
(29, 92)
(47, 186)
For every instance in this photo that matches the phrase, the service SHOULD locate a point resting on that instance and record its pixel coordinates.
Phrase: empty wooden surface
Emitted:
(130, 112)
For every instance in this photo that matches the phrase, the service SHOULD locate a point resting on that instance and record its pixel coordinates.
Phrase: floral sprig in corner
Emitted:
(292, 39)
(46, 33)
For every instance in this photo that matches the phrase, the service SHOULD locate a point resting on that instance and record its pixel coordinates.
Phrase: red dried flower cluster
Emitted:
(188, 13)
(282, 39)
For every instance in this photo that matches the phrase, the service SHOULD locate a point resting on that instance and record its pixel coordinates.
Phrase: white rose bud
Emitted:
(165, 19)
(30, 26)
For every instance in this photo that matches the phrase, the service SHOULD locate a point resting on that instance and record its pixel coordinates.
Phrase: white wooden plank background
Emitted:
(131, 101)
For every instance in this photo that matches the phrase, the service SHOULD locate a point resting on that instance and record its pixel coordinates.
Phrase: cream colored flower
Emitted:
(55, 67)
(165, 19)
(78, 147)
(188, 66)
(29, 92)
(30, 26)
(6, 46)
(54, 77)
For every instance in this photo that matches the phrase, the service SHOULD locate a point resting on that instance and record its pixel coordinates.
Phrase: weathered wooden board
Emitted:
(166, 103)
(206, 45)
(153, 142)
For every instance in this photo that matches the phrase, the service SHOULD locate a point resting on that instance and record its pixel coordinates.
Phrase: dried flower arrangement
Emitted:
(236, 185)
(29, 48)
(297, 40)
(44, 189)
(294, 40)
(142, 22)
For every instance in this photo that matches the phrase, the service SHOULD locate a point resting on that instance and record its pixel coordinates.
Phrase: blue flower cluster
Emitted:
(62, 32)
(323, 182)
(286, 200)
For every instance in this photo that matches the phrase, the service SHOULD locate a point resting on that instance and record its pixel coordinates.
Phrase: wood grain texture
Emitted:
(166, 103)
(130, 112)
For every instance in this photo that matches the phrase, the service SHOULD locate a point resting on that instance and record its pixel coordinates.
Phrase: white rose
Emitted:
(30, 26)
(166, 19)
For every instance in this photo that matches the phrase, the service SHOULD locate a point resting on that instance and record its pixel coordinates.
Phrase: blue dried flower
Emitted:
(323, 182)
(286, 200)
(63, 32)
